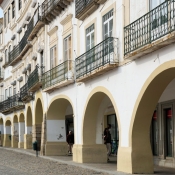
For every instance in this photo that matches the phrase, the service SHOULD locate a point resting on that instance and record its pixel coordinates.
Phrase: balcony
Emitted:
(34, 80)
(12, 104)
(154, 30)
(59, 76)
(84, 8)
(35, 24)
(53, 8)
(98, 60)
(24, 94)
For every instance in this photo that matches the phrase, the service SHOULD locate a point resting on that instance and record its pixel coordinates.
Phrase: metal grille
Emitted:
(58, 74)
(24, 91)
(150, 27)
(98, 56)
(11, 102)
(81, 4)
(33, 78)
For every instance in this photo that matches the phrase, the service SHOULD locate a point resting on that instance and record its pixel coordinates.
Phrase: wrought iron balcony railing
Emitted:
(58, 74)
(25, 95)
(34, 79)
(81, 4)
(102, 54)
(155, 24)
(11, 103)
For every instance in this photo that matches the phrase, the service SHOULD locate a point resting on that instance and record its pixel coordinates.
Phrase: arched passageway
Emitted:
(28, 130)
(15, 132)
(21, 131)
(1, 131)
(99, 112)
(7, 133)
(59, 123)
(37, 127)
(139, 156)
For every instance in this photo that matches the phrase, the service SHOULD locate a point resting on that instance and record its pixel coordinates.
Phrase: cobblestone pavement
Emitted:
(13, 163)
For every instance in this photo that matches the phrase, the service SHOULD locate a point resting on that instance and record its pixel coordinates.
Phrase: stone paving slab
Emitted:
(66, 161)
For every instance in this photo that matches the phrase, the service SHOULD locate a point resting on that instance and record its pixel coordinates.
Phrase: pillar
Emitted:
(7, 133)
(21, 134)
(28, 137)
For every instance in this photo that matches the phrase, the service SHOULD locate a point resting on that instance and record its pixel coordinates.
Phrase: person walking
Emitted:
(107, 141)
(70, 141)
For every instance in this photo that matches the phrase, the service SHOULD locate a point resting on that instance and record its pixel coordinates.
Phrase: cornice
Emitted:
(66, 19)
(7, 79)
(52, 31)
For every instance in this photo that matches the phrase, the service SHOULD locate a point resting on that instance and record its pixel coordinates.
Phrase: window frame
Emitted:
(68, 48)
(13, 9)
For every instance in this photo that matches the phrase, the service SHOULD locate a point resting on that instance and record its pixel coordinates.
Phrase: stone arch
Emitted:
(7, 133)
(21, 118)
(59, 116)
(95, 97)
(38, 112)
(137, 160)
(93, 148)
(28, 129)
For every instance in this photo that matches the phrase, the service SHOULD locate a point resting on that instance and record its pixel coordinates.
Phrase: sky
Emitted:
(1, 13)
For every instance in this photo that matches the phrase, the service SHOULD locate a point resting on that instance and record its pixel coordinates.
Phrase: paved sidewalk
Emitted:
(106, 168)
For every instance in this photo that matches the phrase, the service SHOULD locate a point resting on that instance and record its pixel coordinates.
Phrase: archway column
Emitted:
(2, 134)
(95, 153)
(21, 134)
(28, 137)
(15, 135)
(7, 133)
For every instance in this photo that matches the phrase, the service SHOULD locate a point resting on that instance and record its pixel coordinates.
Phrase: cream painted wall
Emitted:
(56, 131)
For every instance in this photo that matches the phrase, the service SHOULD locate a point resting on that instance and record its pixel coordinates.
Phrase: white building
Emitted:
(80, 65)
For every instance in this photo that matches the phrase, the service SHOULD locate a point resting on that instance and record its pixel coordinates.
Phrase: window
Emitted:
(13, 9)
(14, 90)
(90, 37)
(20, 4)
(10, 91)
(67, 48)
(6, 94)
(108, 24)
(42, 62)
(6, 56)
(53, 57)
(169, 132)
(9, 15)
(155, 3)
(5, 16)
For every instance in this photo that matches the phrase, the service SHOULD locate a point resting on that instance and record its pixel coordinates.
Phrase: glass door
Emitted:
(168, 132)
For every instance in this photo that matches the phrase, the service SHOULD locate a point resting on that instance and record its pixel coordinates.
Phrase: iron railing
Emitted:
(100, 55)
(48, 6)
(150, 27)
(10, 102)
(58, 74)
(81, 4)
(34, 77)
(24, 91)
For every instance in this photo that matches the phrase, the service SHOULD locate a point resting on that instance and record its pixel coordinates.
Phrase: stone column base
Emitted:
(2, 139)
(20, 144)
(56, 149)
(135, 162)
(14, 141)
(90, 153)
(7, 141)
(27, 141)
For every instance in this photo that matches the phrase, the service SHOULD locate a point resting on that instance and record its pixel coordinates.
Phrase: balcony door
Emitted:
(90, 52)
(107, 32)
(159, 18)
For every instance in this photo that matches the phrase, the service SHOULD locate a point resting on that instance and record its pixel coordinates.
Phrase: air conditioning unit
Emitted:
(19, 30)
(28, 67)
(24, 71)
(34, 56)
(13, 37)
(20, 79)
(13, 83)
(33, 3)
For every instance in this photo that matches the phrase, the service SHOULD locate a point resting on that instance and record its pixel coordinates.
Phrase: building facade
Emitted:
(82, 64)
